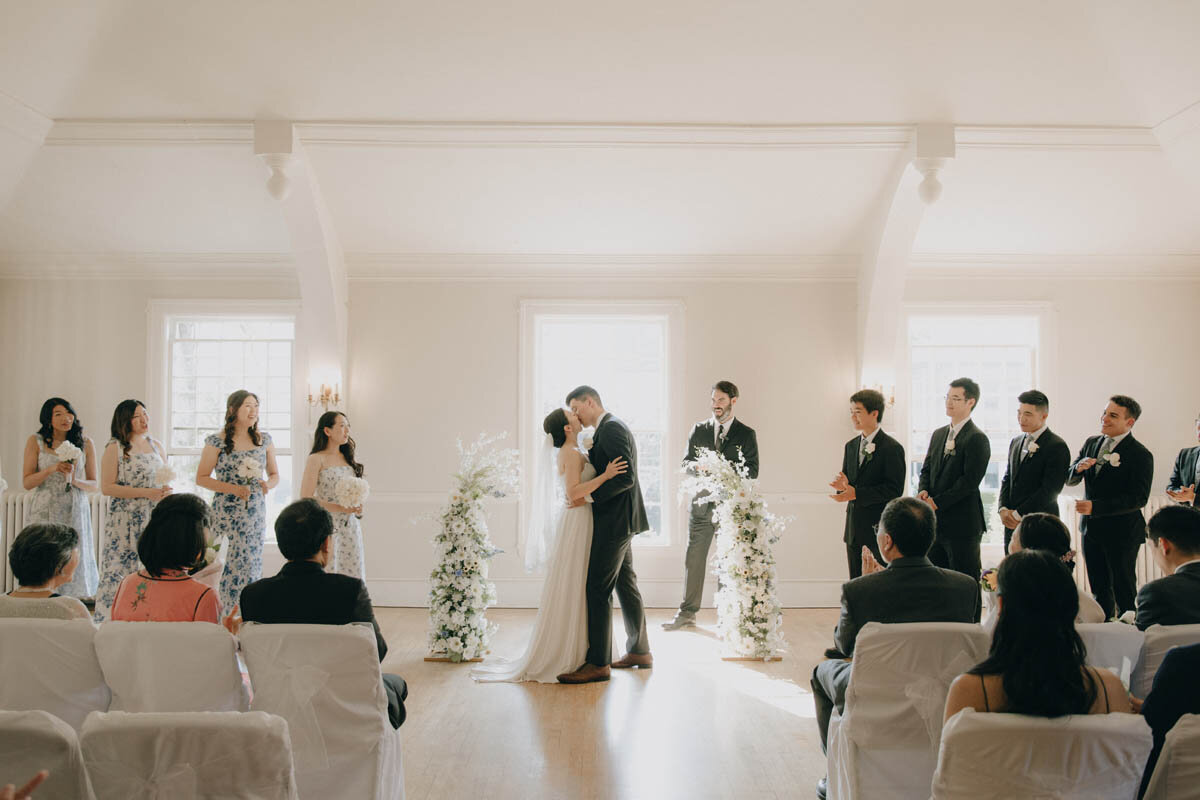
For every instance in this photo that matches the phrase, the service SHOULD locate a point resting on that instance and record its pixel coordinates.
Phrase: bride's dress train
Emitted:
(559, 640)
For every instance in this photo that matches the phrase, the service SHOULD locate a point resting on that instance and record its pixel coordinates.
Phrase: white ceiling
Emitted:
(1088, 67)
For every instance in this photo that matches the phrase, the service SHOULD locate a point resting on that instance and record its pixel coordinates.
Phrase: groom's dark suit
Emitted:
(618, 513)
(878, 480)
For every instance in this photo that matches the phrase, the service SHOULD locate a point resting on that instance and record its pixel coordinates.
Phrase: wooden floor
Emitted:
(692, 727)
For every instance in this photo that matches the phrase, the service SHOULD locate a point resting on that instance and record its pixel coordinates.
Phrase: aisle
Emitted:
(692, 727)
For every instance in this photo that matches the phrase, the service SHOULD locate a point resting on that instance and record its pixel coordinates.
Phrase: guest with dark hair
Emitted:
(1037, 662)
(1174, 599)
(910, 589)
(1117, 471)
(954, 466)
(873, 473)
(1186, 474)
(172, 543)
(43, 557)
(304, 593)
(1036, 468)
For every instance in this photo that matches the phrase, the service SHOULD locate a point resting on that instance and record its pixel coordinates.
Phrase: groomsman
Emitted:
(1117, 471)
(1186, 475)
(728, 436)
(950, 476)
(1037, 465)
(873, 472)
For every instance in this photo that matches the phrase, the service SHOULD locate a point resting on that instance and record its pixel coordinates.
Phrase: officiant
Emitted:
(729, 437)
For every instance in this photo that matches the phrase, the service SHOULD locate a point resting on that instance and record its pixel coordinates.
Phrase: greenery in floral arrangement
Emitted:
(749, 617)
(459, 591)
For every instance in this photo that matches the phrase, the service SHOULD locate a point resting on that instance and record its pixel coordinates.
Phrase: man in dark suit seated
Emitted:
(1175, 692)
(910, 589)
(1174, 599)
(303, 593)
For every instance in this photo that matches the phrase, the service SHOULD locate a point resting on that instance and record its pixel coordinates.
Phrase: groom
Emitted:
(617, 515)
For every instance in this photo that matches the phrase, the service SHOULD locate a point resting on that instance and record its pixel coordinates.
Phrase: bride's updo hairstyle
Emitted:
(554, 424)
(1047, 532)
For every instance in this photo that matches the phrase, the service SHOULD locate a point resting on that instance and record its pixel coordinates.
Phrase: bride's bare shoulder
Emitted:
(569, 457)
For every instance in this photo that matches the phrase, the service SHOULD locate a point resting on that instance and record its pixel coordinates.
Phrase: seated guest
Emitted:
(172, 543)
(1174, 599)
(42, 558)
(910, 589)
(1036, 662)
(1047, 532)
(1175, 692)
(304, 593)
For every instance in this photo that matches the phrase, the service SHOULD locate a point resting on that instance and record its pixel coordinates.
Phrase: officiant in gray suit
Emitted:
(729, 437)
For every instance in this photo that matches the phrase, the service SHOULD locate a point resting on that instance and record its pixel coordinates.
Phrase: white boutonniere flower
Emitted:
(1033, 448)
(1113, 459)
(587, 442)
(870, 448)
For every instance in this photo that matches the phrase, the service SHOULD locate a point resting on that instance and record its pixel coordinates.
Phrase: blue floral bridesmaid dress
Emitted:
(54, 502)
(127, 518)
(243, 522)
(347, 550)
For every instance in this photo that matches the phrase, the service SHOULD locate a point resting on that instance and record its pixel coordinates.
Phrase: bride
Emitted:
(559, 640)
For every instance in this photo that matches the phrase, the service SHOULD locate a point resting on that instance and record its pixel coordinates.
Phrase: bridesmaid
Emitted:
(60, 488)
(332, 459)
(129, 478)
(240, 505)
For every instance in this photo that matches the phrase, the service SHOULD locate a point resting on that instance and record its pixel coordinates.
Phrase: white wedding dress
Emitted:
(559, 640)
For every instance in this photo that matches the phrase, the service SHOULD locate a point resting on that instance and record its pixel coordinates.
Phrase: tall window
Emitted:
(624, 356)
(997, 352)
(207, 358)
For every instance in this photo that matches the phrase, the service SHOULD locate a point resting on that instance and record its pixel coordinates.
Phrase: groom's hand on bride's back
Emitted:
(576, 503)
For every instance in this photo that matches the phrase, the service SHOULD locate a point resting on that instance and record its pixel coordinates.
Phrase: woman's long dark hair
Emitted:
(1041, 531)
(122, 422)
(321, 440)
(232, 406)
(1035, 648)
(74, 436)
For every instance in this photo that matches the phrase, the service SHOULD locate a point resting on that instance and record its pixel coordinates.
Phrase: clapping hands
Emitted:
(1185, 495)
(844, 491)
(869, 565)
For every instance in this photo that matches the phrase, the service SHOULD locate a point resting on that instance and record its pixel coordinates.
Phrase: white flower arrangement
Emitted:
(869, 451)
(164, 475)
(1112, 459)
(351, 491)
(459, 591)
(249, 470)
(1033, 448)
(70, 454)
(749, 617)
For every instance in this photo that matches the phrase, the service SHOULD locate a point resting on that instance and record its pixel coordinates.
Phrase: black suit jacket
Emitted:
(1175, 692)
(740, 437)
(617, 506)
(909, 590)
(304, 593)
(1033, 485)
(878, 480)
(953, 481)
(1119, 493)
(1184, 473)
(1171, 600)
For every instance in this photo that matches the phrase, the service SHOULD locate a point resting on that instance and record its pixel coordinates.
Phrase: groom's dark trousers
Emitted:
(618, 514)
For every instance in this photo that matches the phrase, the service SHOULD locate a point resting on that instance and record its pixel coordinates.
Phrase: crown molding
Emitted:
(22, 120)
(1073, 266)
(158, 266)
(89, 133)
(476, 267)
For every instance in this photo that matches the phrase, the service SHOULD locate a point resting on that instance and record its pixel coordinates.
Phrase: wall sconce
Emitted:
(325, 397)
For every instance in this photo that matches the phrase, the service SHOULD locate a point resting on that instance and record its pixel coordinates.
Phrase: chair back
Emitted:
(1177, 773)
(33, 740)
(1114, 646)
(1160, 639)
(171, 666)
(1085, 757)
(50, 665)
(198, 755)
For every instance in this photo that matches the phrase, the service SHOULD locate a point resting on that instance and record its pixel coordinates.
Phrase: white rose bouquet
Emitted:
(69, 454)
(351, 491)
(249, 471)
(209, 571)
(164, 475)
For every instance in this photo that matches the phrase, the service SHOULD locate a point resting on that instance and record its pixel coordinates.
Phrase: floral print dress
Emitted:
(243, 522)
(127, 518)
(58, 502)
(347, 550)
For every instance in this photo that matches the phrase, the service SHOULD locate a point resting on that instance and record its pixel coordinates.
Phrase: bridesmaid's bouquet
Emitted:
(351, 491)
(209, 570)
(69, 454)
(164, 475)
(249, 471)
(988, 579)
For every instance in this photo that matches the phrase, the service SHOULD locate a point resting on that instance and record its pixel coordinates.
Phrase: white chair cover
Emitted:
(1177, 773)
(1114, 646)
(886, 743)
(196, 755)
(34, 740)
(171, 666)
(1160, 639)
(50, 664)
(1004, 756)
(325, 681)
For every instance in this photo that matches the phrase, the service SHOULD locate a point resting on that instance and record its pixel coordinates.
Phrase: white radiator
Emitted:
(15, 509)
(1147, 570)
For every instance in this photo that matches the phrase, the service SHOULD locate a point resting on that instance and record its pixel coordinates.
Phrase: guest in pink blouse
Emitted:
(171, 544)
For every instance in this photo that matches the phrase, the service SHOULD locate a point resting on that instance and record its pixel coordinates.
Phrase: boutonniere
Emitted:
(869, 449)
(1112, 459)
(1033, 448)
(586, 439)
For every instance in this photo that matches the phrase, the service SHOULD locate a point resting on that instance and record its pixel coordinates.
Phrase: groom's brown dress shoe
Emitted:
(588, 673)
(631, 660)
